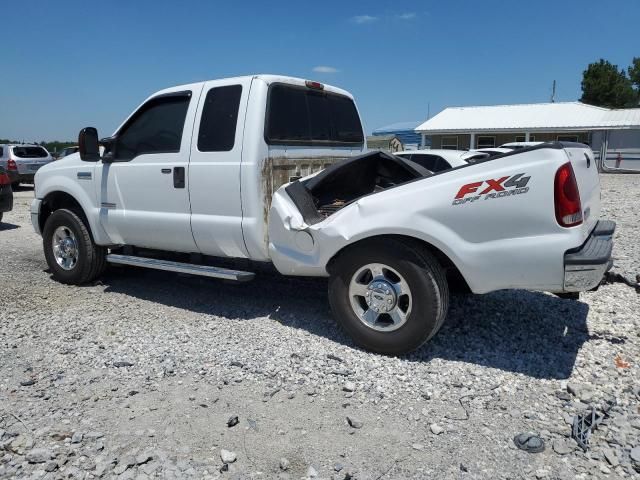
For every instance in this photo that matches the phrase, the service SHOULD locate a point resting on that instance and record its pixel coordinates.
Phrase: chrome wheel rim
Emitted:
(65, 248)
(380, 297)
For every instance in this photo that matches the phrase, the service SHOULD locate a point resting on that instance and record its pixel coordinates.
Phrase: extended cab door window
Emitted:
(219, 119)
(155, 128)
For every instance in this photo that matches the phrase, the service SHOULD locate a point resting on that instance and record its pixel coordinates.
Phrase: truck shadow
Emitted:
(8, 226)
(532, 333)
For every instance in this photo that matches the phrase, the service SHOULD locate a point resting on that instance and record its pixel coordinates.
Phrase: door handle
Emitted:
(166, 170)
(178, 177)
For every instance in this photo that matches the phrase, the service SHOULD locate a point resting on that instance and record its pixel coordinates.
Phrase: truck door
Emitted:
(144, 194)
(214, 172)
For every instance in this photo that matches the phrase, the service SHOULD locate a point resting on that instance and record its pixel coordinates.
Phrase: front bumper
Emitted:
(585, 266)
(35, 214)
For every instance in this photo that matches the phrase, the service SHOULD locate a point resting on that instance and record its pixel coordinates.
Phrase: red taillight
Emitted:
(567, 197)
(11, 165)
(4, 179)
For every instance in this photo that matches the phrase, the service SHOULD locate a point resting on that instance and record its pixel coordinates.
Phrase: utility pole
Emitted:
(428, 110)
(553, 92)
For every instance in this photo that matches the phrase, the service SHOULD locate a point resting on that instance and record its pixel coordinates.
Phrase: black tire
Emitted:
(91, 257)
(427, 282)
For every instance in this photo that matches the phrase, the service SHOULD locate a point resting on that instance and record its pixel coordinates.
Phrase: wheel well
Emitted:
(455, 279)
(55, 201)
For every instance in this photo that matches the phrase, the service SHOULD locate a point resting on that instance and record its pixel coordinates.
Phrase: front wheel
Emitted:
(69, 249)
(389, 295)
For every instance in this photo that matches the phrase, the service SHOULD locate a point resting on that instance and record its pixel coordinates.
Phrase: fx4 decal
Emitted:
(492, 188)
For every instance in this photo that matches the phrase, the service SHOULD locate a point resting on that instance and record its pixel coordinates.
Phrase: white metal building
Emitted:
(613, 134)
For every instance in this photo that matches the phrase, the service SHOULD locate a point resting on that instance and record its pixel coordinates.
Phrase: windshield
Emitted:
(30, 152)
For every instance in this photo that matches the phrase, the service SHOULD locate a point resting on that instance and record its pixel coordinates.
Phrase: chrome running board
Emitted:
(202, 270)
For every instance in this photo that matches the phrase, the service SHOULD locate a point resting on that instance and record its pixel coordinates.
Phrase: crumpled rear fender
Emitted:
(297, 248)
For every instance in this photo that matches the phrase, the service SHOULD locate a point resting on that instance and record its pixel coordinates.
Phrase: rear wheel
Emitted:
(389, 295)
(69, 249)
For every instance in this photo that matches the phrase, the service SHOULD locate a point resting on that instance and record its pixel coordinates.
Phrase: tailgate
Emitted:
(586, 171)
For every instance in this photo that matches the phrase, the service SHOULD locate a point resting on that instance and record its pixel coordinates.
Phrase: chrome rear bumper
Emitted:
(585, 266)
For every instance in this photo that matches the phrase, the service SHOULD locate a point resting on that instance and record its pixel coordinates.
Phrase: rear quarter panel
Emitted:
(497, 239)
(586, 172)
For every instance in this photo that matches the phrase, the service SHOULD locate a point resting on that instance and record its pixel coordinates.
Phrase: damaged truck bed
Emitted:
(341, 184)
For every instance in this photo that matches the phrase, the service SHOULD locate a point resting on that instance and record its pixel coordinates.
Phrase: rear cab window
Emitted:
(30, 152)
(299, 115)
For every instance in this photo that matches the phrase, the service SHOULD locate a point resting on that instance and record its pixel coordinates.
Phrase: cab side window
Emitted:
(219, 118)
(155, 128)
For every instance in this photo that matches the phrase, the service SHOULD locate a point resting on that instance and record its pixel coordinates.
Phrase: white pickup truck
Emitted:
(275, 169)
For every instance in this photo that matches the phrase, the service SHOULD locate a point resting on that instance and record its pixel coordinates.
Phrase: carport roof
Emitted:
(535, 117)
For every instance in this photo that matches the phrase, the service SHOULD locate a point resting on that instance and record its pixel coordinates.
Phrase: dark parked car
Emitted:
(6, 194)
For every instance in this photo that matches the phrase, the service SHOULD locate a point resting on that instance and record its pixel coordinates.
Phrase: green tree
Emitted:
(604, 85)
(634, 73)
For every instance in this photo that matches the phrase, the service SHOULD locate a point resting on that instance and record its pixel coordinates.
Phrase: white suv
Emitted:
(23, 161)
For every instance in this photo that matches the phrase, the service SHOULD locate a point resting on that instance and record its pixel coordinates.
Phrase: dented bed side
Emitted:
(494, 220)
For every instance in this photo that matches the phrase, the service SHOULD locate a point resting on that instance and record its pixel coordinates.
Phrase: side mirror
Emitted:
(109, 144)
(88, 144)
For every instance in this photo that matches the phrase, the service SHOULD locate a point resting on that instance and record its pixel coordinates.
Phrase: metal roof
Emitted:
(567, 116)
(405, 131)
(397, 127)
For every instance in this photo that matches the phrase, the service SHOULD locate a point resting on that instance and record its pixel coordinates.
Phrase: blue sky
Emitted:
(72, 63)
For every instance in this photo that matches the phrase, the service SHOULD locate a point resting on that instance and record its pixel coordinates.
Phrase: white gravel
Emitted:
(137, 376)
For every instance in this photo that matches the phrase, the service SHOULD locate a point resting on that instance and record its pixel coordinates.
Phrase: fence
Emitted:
(624, 160)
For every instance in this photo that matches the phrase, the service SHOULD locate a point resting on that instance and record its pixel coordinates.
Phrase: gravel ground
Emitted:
(139, 376)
